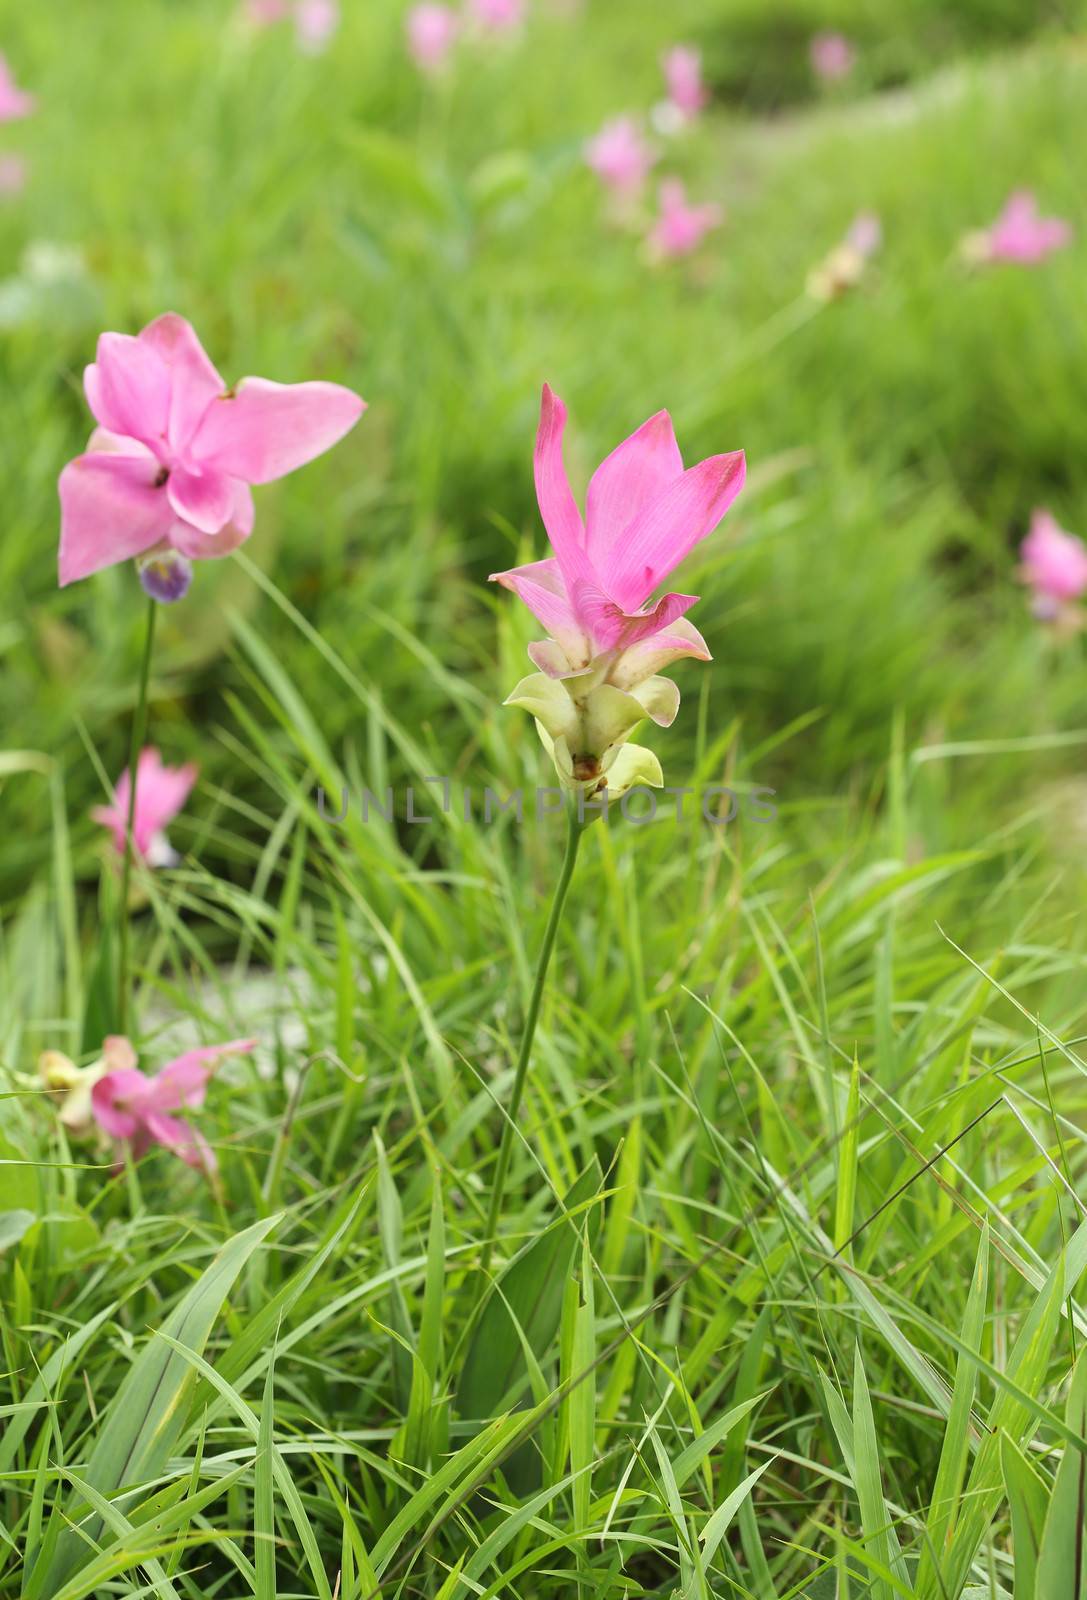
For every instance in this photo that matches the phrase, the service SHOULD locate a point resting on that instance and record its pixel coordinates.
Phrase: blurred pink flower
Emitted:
(1019, 234)
(161, 791)
(683, 76)
(620, 156)
(644, 513)
(14, 102)
(680, 227)
(497, 16)
(13, 175)
(264, 13)
(167, 474)
(846, 265)
(315, 22)
(138, 1111)
(832, 57)
(1054, 566)
(432, 31)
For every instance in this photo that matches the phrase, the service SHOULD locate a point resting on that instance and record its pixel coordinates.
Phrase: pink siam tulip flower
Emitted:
(1019, 234)
(161, 791)
(621, 157)
(683, 75)
(13, 174)
(264, 13)
(167, 474)
(497, 16)
(432, 32)
(1054, 566)
(315, 22)
(644, 514)
(71, 1086)
(139, 1111)
(846, 265)
(14, 102)
(680, 227)
(832, 57)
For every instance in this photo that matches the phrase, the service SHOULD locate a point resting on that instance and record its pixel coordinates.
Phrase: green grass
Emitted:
(788, 1262)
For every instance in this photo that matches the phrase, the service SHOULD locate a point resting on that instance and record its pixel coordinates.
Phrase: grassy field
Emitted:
(788, 1266)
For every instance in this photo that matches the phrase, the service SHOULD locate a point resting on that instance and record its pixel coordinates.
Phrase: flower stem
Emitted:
(573, 838)
(139, 729)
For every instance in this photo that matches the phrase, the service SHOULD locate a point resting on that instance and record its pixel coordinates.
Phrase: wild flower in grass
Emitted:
(621, 157)
(680, 227)
(71, 1086)
(161, 791)
(315, 22)
(167, 474)
(687, 94)
(1054, 567)
(1018, 235)
(497, 16)
(599, 668)
(432, 31)
(833, 57)
(847, 264)
(138, 1111)
(13, 174)
(264, 13)
(14, 102)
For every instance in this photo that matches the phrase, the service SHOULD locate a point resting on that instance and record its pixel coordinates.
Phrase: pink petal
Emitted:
(161, 791)
(684, 513)
(206, 499)
(116, 1100)
(651, 655)
(182, 1082)
(176, 1135)
(194, 382)
(626, 481)
(541, 587)
(558, 508)
(612, 628)
(262, 430)
(128, 389)
(211, 546)
(111, 508)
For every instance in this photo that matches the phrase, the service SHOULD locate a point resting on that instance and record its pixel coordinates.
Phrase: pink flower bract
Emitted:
(315, 22)
(832, 57)
(14, 102)
(620, 156)
(171, 463)
(683, 76)
(1021, 235)
(680, 227)
(139, 1111)
(1054, 565)
(644, 513)
(432, 32)
(161, 791)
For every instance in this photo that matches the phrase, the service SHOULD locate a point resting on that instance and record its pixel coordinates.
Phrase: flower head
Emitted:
(432, 31)
(139, 1111)
(71, 1086)
(832, 57)
(14, 102)
(315, 22)
(170, 465)
(680, 227)
(161, 791)
(599, 667)
(846, 265)
(1054, 566)
(683, 76)
(497, 16)
(621, 157)
(1018, 235)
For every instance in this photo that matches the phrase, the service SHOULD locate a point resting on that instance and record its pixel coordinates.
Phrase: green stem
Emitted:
(139, 729)
(573, 839)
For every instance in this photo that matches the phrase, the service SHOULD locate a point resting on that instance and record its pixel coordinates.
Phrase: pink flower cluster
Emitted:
(433, 28)
(137, 1111)
(622, 156)
(315, 21)
(1054, 568)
